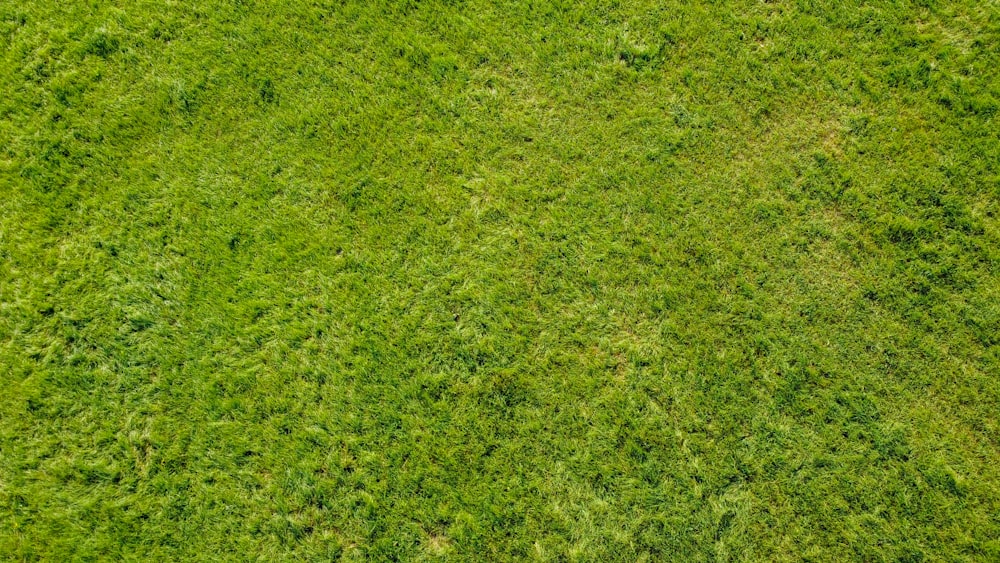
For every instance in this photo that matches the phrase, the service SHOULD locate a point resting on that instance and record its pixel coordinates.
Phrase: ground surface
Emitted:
(524, 280)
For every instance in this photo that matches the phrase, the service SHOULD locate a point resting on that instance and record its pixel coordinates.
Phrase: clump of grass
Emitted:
(619, 281)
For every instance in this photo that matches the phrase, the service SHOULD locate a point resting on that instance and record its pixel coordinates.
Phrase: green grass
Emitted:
(500, 281)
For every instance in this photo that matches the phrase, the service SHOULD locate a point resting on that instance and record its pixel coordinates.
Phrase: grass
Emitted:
(500, 281)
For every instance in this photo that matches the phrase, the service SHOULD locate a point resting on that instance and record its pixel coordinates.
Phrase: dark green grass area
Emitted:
(500, 281)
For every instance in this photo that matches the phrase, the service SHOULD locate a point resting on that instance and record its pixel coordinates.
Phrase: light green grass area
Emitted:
(615, 281)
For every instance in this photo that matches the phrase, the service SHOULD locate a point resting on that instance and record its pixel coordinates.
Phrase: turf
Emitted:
(625, 280)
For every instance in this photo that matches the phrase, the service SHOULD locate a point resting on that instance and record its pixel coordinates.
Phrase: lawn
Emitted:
(465, 280)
